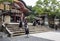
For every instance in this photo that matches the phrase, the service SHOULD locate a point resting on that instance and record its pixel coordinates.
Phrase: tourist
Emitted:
(39, 22)
(20, 24)
(26, 27)
(34, 23)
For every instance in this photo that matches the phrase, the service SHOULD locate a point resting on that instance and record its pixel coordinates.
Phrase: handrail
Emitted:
(7, 29)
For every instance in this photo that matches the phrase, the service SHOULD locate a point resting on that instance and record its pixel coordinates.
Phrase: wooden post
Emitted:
(2, 19)
(14, 17)
(22, 15)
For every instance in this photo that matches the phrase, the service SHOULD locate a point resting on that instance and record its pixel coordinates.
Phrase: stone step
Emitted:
(16, 31)
(19, 34)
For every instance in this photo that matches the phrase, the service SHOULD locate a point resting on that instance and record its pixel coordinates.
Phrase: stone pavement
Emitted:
(4, 39)
(24, 38)
(52, 35)
(31, 38)
(45, 36)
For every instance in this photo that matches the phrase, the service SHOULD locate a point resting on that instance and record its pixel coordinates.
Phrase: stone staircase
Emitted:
(14, 30)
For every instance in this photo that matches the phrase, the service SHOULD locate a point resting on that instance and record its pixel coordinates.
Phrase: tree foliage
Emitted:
(50, 7)
(1, 1)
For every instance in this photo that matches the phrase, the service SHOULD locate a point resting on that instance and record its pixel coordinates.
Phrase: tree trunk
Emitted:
(51, 21)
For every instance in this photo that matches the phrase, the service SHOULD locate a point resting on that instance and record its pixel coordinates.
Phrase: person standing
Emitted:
(34, 23)
(26, 27)
(20, 24)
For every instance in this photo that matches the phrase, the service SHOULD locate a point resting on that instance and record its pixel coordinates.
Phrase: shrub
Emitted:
(30, 18)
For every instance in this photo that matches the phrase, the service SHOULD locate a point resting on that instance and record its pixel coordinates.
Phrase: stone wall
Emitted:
(7, 19)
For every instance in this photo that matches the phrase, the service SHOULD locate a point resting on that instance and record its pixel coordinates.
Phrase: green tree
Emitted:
(58, 10)
(49, 7)
(46, 7)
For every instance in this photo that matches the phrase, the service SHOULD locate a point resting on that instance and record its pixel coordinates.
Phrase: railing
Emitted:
(7, 29)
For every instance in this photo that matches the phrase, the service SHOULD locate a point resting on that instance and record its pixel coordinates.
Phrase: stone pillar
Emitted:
(7, 19)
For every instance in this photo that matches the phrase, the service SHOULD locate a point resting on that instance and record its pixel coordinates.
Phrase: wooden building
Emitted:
(12, 15)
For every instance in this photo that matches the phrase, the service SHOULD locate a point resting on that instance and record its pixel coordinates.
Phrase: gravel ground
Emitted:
(39, 29)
